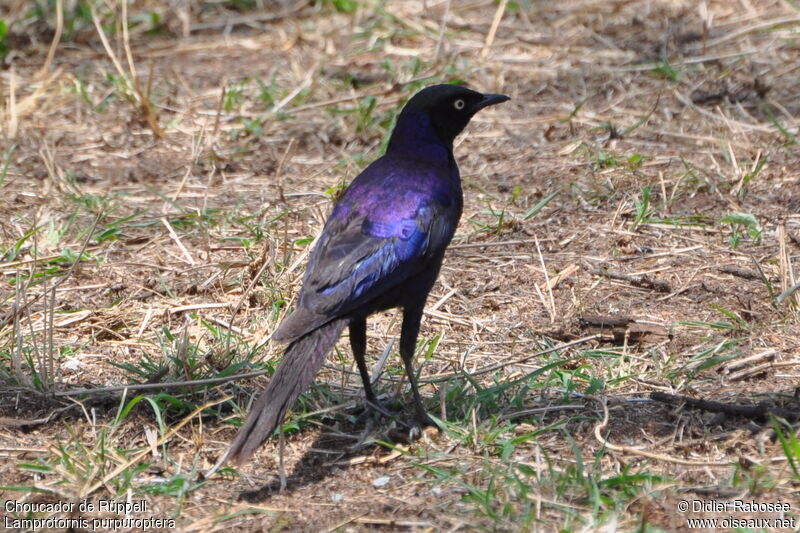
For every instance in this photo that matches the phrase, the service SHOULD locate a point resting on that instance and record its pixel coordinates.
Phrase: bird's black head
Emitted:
(449, 109)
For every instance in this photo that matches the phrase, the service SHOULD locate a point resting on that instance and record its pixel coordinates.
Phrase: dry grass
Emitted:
(189, 168)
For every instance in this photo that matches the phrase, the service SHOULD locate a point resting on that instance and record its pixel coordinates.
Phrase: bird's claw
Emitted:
(413, 429)
(423, 420)
(372, 407)
(381, 408)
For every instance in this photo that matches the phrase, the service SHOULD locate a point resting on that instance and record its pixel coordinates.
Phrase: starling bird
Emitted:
(381, 248)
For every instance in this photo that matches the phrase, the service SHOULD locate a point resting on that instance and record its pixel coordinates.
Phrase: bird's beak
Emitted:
(490, 99)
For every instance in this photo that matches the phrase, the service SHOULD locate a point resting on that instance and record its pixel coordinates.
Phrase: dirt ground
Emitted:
(631, 226)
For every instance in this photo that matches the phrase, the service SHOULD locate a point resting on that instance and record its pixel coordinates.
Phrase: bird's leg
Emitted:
(358, 343)
(408, 344)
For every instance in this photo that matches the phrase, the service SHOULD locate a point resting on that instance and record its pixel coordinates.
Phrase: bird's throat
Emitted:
(414, 135)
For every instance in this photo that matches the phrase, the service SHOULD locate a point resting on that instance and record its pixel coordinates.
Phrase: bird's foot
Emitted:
(413, 429)
(376, 407)
(381, 408)
(423, 420)
(372, 410)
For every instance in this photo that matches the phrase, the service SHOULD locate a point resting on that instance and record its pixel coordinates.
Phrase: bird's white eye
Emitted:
(459, 104)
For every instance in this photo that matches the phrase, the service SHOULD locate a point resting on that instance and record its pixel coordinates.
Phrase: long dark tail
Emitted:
(301, 361)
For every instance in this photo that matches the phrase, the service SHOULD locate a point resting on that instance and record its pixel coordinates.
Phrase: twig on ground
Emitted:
(757, 411)
(624, 328)
(541, 410)
(498, 16)
(170, 385)
(497, 366)
(177, 240)
(442, 29)
(643, 453)
(638, 281)
(739, 272)
(551, 309)
(51, 52)
(787, 293)
(229, 22)
(736, 364)
(26, 422)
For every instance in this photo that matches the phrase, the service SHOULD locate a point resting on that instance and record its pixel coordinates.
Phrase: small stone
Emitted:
(71, 364)
(337, 497)
(381, 482)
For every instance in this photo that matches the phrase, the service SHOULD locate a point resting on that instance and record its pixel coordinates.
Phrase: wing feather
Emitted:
(386, 228)
(362, 260)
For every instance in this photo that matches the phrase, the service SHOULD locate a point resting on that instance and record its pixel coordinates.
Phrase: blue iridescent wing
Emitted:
(360, 259)
(392, 220)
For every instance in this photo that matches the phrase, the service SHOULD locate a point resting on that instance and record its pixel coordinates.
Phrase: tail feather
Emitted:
(301, 361)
